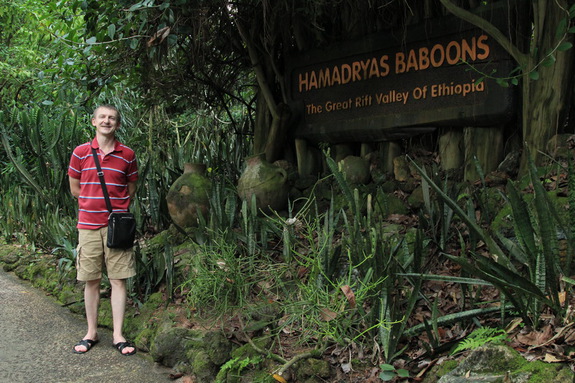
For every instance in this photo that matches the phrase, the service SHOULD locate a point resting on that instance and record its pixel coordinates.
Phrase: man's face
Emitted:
(106, 121)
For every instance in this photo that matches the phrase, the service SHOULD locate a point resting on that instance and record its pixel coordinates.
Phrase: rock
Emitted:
(510, 164)
(218, 347)
(401, 169)
(415, 199)
(312, 368)
(355, 170)
(169, 346)
(386, 204)
(501, 364)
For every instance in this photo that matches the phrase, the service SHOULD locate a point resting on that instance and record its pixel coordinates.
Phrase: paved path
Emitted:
(36, 339)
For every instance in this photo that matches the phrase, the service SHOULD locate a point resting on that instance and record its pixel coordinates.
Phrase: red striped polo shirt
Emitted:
(119, 168)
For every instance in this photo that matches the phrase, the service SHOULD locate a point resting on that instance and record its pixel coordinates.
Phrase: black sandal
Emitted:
(88, 343)
(120, 346)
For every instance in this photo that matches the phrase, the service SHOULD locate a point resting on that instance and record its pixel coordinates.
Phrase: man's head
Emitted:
(106, 119)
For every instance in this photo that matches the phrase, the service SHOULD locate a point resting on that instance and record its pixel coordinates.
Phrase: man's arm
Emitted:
(132, 186)
(74, 186)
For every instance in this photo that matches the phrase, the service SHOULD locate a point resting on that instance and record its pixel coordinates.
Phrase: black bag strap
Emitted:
(102, 181)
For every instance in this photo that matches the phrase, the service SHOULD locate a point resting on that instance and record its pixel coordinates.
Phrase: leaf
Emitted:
(534, 75)
(536, 338)
(549, 358)
(349, 294)
(91, 40)
(111, 31)
(403, 373)
(561, 27)
(327, 314)
(564, 46)
(549, 61)
(136, 6)
(386, 376)
(134, 43)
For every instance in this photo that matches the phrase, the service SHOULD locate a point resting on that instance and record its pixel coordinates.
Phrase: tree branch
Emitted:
(521, 58)
(260, 76)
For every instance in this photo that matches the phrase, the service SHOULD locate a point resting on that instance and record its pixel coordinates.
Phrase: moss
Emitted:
(446, 367)
(105, 314)
(169, 346)
(387, 203)
(541, 372)
(218, 347)
(202, 367)
(144, 324)
(44, 276)
(247, 351)
(255, 376)
(9, 267)
(143, 339)
(502, 360)
(312, 368)
(10, 258)
(11, 254)
(160, 239)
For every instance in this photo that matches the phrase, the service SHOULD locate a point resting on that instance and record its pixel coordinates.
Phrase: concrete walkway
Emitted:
(36, 340)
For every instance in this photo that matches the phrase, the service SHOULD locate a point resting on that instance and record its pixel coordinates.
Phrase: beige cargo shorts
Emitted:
(92, 254)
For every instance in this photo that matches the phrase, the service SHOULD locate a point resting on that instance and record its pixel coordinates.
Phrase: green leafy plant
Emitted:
(235, 366)
(535, 249)
(480, 337)
(389, 372)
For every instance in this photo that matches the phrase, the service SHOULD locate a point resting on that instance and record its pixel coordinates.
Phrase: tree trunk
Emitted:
(545, 100)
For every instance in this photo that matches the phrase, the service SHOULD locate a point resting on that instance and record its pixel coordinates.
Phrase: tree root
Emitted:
(285, 363)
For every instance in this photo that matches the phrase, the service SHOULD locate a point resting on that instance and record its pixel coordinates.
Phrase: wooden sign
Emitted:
(392, 85)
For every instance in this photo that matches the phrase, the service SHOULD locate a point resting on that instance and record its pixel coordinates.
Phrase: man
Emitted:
(120, 170)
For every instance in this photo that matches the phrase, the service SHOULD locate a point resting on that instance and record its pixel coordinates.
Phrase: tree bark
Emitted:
(545, 100)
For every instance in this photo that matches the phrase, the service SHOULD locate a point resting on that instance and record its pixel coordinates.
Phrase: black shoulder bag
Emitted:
(121, 226)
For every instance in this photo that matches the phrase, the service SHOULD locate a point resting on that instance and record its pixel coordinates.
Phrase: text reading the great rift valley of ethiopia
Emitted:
(394, 96)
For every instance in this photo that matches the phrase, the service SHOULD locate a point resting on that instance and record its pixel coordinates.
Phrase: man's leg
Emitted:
(91, 302)
(118, 302)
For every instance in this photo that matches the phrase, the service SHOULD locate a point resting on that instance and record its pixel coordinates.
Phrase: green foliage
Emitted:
(218, 280)
(480, 337)
(535, 249)
(388, 372)
(235, 366)
(436, 217)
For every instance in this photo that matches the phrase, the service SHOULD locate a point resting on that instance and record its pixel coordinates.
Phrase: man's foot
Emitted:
(125, 348)
(84, 346)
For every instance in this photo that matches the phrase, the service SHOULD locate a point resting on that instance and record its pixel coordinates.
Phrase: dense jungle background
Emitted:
(379, 280)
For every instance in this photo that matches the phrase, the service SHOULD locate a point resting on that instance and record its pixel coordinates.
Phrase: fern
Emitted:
(237, 365)
(480, 337)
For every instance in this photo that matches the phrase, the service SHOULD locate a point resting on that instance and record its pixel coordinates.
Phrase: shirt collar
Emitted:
(117, 145)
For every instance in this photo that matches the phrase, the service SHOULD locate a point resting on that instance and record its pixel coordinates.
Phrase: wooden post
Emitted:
(451, 148)
(366, 149)
(483, 146)
(390, 150)
(340, 151)
(307, 158)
